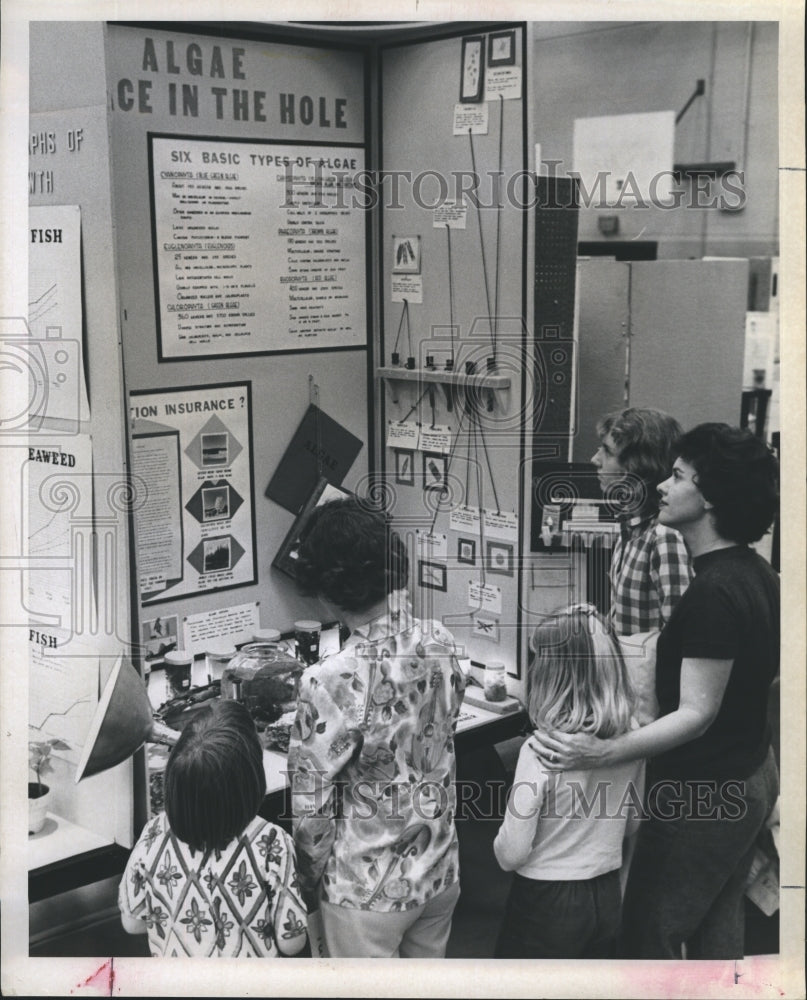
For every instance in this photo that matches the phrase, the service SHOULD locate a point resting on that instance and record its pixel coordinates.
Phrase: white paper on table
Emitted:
(237, 624)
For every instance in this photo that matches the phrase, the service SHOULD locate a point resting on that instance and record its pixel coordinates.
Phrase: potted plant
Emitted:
(39, 762)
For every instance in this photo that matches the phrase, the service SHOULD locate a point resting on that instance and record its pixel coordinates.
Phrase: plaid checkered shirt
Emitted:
(650, 569)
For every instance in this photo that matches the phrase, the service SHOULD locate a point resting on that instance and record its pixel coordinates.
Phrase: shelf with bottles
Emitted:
(476, 379)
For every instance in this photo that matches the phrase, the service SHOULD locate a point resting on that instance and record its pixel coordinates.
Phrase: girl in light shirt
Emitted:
(563, 833)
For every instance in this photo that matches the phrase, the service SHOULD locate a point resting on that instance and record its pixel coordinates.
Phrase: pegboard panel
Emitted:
(555, 272)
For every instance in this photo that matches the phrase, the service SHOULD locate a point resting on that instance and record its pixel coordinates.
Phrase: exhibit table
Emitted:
(65, 856)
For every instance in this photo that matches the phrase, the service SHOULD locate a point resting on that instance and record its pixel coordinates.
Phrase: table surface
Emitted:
(471, 718)
(61, 840)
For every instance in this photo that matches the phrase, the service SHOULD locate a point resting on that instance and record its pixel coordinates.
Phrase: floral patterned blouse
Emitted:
(372, 768)
(242, 901)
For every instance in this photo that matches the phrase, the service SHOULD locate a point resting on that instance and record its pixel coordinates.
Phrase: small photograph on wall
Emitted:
(217, 555)
(435, 471)
(406, 255)
(215, 449)
(159, 636)
(502, 48)
(432, 575)
(486, 627)
(404, 467)
(472, 72)
(466, 551)
(215, 503)
(500, 558)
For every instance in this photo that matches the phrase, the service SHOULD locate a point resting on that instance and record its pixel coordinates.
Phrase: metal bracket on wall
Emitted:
(700, 90)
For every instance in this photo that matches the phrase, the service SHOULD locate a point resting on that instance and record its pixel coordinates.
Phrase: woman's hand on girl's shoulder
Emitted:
(567, 751)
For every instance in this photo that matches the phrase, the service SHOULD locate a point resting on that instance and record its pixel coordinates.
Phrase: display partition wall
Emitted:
(283, 233)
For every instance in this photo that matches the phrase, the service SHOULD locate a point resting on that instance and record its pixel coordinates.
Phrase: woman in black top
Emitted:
(712, 778)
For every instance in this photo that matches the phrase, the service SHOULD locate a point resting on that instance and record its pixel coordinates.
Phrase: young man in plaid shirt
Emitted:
(650, 566)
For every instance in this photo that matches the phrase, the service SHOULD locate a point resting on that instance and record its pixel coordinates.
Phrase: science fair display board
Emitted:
(242, 260)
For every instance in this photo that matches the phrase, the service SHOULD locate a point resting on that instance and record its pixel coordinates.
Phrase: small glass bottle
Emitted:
(495, 685)
(178, 665)
(218, 654)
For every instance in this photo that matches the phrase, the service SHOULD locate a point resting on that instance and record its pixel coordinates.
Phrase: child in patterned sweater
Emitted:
(208, 876)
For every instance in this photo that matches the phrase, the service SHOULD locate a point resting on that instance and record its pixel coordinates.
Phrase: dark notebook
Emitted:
(320, 447)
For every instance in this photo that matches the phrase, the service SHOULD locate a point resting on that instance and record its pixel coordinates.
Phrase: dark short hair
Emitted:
(738, 474)
(214, 778)
(646, 440)
(350, 555)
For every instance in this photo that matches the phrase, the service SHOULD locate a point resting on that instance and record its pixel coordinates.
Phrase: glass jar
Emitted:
(178, 666)
(495, 684)
(218, 654)
(265, 678)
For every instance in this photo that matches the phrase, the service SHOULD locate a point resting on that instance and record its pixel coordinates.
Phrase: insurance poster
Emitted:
(193, 488)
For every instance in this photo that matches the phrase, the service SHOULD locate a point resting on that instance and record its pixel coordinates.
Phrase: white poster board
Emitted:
(625, 159)
(194, 516)
(54, 353)
(259, 247)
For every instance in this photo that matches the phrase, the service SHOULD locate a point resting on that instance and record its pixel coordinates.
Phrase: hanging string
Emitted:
(468, 465)
(450, 289)
(482, 242)
(490, 470)
(481, 501)
(414, 406)
(313, 399)
(404, 314)
(448, 466)
(499, 176)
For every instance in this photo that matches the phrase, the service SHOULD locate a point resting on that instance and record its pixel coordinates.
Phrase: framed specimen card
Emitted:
(502, 48)
(472, 73)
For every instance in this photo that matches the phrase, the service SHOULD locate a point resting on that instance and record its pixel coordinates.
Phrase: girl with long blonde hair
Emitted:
(562, 834)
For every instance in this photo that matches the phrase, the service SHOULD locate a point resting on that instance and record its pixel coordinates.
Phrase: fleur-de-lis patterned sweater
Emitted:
(241, 901)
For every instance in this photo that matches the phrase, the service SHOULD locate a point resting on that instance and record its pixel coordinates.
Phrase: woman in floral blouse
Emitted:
(208, 876)
(372, 750)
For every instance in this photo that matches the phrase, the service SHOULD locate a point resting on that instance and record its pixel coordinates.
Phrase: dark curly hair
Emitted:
(738, 474)
(214, 778)
(350, 555)
(646, 440)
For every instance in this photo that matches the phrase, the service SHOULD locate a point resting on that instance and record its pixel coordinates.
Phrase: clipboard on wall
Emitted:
(320, 448)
